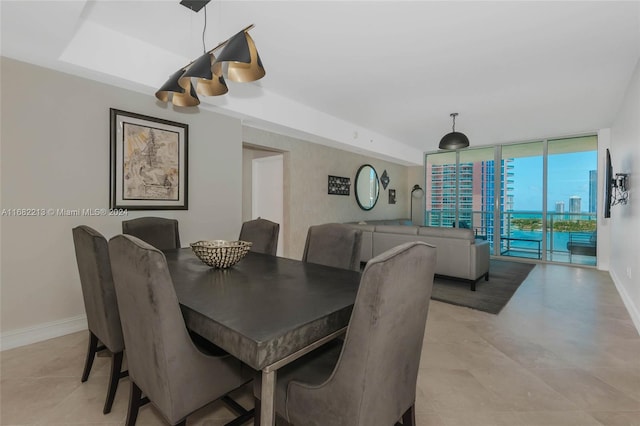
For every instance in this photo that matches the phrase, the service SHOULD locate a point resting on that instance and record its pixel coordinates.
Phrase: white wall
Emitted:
(55, 154)
(248, 155)
(604, 228)
(267, 191)
(625, 219)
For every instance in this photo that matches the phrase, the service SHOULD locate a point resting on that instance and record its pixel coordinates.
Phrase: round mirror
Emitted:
(367, 187)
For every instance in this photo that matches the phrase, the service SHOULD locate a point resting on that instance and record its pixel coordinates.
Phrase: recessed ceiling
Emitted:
(371, 76)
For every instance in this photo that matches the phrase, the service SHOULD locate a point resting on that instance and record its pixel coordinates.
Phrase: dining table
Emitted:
(265, 310)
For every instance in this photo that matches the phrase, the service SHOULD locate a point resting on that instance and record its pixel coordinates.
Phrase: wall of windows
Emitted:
(532, 200)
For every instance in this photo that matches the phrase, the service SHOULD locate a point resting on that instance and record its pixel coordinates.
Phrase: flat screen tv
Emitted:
(608, 179)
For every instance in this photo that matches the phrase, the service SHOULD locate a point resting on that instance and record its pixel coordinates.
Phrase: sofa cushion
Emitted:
(434, 231)
(363, 227)
(397, 229)
(405, 222)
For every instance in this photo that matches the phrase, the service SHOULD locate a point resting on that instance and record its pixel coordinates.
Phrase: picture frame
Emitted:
(148, 162)
(384, 179)
(338, 185)
(392, 196)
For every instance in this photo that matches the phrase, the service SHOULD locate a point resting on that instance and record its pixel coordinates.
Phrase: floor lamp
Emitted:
(416, 193)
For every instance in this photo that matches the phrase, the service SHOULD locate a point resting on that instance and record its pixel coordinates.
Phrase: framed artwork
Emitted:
(149, 167)
(392, 196)
(339, 185)
(384, 179)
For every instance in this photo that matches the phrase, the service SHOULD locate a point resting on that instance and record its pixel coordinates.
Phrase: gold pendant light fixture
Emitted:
(209, 82)
(241, 59)
(238, 59)
(178, 90)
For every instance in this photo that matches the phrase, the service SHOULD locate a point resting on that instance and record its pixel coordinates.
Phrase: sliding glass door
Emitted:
(534, 200)
(441, 177)
(476, 194)
(521, 212)
(572, 193)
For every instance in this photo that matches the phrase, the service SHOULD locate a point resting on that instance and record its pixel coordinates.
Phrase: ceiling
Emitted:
(377, 77)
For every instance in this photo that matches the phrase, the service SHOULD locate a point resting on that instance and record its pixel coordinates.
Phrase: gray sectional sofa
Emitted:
(459, 253)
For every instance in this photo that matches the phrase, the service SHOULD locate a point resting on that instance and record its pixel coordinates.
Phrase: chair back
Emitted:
(160, 232)
(262, 233)
(374, 381)
(154, 331)
(333, 244)
(163, 360)
(94, 267)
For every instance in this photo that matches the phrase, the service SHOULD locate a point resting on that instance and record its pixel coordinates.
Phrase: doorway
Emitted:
(263, 188)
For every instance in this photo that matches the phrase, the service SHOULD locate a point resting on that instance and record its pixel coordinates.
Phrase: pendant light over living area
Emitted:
(454, 140)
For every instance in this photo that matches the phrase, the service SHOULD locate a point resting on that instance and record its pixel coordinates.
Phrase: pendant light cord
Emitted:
(204, 29)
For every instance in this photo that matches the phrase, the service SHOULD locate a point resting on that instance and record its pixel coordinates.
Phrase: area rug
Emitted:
(490, 296)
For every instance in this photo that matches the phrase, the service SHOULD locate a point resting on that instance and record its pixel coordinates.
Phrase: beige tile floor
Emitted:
(562, 352)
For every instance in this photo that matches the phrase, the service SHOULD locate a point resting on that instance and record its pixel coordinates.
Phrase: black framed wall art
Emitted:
(338, 185)
(392, 196)
(149, 167)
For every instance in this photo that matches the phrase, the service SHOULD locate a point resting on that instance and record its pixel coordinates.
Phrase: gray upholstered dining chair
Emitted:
(262, 233)
(103, 319)
(370, 379)
(160, 232)
(164, 363)
(333, 244)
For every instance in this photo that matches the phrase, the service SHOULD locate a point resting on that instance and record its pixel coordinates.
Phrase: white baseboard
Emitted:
(38, 333)
(628, 303)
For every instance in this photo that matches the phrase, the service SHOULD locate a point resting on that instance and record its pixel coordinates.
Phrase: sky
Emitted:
(568, 176)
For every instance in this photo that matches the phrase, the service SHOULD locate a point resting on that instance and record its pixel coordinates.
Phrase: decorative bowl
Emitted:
(220, 253)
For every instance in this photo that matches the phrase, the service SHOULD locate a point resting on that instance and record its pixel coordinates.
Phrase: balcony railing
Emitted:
(569, 237)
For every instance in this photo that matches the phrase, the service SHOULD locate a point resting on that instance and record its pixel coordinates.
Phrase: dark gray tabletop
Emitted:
(264, 307)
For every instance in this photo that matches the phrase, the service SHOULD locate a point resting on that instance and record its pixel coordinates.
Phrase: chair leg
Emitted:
(409, 417)
(256, 415)
(241, 419)
(135, 401)
(91, 354)
(116, 375)
(243, 414)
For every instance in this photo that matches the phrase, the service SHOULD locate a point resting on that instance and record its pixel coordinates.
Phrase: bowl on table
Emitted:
(220, 253)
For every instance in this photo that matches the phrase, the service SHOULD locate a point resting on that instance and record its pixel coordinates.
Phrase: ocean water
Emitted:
(556, 241)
